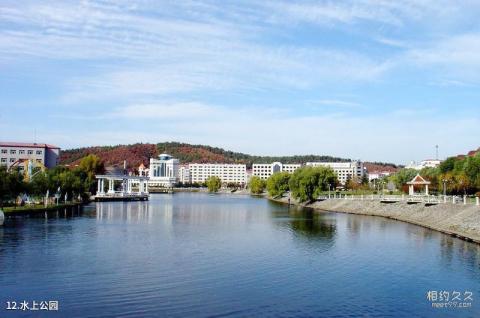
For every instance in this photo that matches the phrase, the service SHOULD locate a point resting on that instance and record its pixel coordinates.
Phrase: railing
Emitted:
(428, 199)
(121, 194)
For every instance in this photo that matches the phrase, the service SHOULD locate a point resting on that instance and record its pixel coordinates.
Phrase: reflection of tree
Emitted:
(312, 225)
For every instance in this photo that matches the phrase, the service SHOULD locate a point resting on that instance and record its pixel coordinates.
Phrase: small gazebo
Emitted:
(417, 181)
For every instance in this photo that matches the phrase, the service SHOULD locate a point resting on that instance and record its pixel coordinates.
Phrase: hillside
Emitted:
(141, 153)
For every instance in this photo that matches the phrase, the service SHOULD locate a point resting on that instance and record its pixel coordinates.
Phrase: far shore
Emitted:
(462, 221)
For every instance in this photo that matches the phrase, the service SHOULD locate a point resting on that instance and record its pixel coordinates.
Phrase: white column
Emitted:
(146, 187)
(110, 186)
(98, 185)
(426, 189)
(453, 199)
(464, 199)
(478, 200)
(410, 189)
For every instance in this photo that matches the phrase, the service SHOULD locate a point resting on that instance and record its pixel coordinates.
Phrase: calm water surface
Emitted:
(200, 255)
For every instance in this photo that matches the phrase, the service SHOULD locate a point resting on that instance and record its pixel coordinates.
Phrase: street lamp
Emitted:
(444, 187)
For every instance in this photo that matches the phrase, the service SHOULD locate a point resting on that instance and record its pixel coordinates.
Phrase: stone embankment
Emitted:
(458, 220)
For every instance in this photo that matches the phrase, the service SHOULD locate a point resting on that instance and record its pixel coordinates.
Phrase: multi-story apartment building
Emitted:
(236, 173)
(163, 171)
(265, 170)
(16, 152)
(343, 170)
(184, 174)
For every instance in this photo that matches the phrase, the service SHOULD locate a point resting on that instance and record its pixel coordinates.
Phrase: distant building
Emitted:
(15, 152)
(265, 170)
(163, 171)
(142, 171)
(343, 170)
(375, 175)
(235, 173)
(184, 174)
(428, 163)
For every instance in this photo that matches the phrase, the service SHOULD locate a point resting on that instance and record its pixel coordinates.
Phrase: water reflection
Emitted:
(128, 211)
(200, 255)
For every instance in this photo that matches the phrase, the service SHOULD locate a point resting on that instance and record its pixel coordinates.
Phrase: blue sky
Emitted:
(373, 80)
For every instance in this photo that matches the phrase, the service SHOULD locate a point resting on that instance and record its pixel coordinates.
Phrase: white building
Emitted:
(236, 173)
(184, 174)
(16, 152)
(343, 170)
(163, 172)
(427, 163)
(375, 175)
(265, 170)
(142, 171)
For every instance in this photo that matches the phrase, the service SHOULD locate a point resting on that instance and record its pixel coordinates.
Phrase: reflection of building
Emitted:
(236, 173)
(428, 163)
(163, 171)
(12, 152)
(265, 170)
(343, 170)
(184, 174)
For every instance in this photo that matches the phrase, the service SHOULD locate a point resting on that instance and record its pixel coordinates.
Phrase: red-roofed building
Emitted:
(12, 152)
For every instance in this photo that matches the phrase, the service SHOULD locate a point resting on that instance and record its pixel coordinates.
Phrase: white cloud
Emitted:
(333, 102)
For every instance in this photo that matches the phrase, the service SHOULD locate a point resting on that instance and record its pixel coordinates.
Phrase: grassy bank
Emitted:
(37, 208)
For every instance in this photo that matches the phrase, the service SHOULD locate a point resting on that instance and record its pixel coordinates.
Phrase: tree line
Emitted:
(455, 175)
(305, 184)
(61, 180)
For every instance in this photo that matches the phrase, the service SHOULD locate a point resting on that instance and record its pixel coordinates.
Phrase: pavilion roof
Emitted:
(418, 180)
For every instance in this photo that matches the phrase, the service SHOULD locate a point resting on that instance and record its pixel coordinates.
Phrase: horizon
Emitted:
(382, 82)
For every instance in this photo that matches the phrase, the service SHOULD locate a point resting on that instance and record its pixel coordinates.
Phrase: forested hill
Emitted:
(141, 153)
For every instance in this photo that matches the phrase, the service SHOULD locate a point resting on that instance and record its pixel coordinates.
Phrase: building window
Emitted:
(12, 152)
(4, 150)
(30, 152)
(4, 160)
(39, 152)
(21, 152)
(12, 159)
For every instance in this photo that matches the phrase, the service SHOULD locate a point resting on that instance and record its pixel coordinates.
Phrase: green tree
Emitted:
(39, 184)
(447, 165)
(403, 176)
(213, 184)
(277, 183)
(88, 167)
(307, 183)
(471, 168)
(257, 185)
(11, 184)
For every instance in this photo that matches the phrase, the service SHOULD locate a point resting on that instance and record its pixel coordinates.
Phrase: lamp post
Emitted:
(444, 187)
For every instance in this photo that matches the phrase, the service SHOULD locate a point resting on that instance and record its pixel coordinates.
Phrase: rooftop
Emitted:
(27, 145)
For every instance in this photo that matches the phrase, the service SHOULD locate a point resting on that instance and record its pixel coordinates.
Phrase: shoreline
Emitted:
(22, 210)
(459, 221)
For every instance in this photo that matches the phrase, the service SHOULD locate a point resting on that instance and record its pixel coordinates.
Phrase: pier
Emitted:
(126, 192)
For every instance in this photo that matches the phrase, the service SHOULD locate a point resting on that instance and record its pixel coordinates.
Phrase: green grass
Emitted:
(36, 207)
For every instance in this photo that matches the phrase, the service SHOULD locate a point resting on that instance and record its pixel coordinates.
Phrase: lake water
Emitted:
(201, 255)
